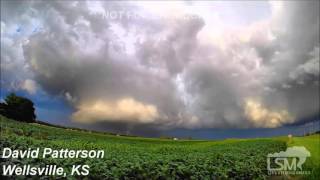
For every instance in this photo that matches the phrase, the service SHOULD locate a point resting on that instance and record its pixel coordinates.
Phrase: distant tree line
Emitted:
(18, 108)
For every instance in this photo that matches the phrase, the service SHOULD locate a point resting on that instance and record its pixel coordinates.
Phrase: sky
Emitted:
(183, 68)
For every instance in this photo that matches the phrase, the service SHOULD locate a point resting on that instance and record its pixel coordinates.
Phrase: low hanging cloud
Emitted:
(189, 68)
(260, 116)
(123, 109)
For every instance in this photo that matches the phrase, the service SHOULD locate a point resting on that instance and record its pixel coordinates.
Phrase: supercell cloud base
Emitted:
(167, 65)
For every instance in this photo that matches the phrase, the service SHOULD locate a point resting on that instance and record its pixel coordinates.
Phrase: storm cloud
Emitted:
(147, 64)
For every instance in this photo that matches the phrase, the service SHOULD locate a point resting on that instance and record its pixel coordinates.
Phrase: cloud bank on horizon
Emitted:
(167, 64)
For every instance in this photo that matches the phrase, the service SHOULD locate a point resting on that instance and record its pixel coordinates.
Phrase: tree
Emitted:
(18, 108)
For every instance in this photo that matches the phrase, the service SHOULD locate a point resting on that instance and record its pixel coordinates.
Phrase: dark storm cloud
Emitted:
(138, 73)
(173, 51)
(296, 63)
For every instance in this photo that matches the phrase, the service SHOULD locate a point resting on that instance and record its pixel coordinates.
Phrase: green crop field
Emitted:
(148, 158)
(312, 143)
